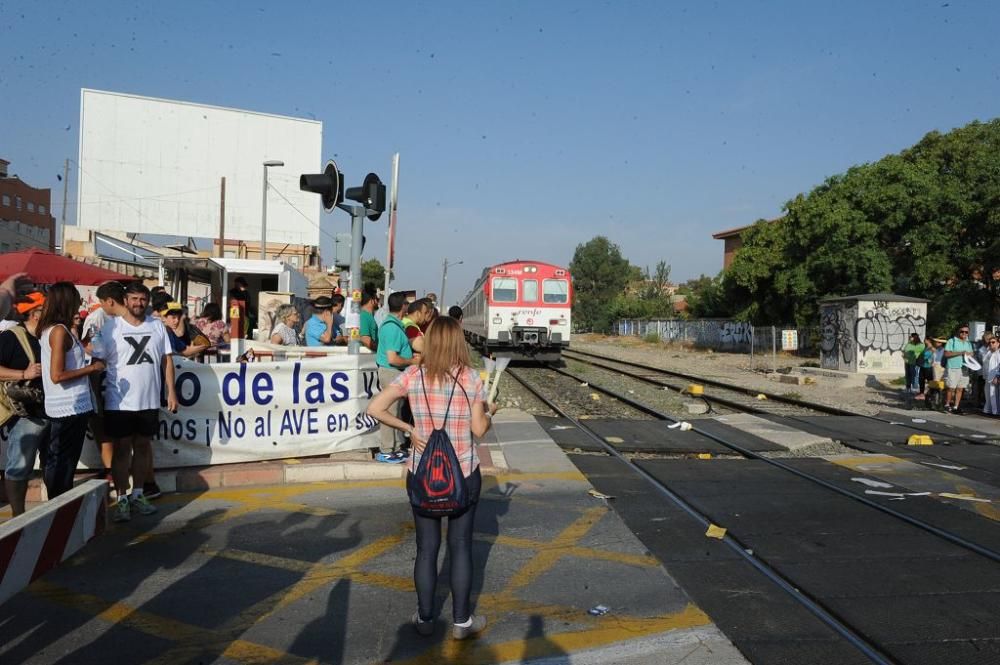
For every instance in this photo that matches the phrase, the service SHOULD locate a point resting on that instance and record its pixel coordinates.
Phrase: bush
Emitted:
(651, 337)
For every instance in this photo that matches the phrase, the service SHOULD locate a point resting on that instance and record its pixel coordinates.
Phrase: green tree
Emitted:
(600, 274)
(706, 297)
(372, 274)
(924, 222)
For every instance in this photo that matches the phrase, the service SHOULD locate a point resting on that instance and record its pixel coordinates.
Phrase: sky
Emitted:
(527, 128)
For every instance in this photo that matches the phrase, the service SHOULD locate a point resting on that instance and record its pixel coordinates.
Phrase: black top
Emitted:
(12, 354)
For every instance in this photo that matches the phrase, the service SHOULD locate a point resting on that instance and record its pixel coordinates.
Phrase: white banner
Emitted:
(245, 412)
(268, 410)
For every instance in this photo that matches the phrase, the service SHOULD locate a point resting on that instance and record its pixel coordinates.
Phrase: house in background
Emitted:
(26, 220)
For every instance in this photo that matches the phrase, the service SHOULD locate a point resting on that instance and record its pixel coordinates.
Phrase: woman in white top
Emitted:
(65, 374)
(991, 372)
(284, 330)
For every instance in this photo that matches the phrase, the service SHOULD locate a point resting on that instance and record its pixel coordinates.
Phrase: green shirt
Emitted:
(911, 352)
(391, 337)
(369, 328)
(955, 344)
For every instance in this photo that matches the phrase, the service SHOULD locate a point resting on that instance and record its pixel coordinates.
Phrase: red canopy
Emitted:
(48, 268)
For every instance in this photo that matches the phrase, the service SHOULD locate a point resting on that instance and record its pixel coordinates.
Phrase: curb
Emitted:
(282, 472)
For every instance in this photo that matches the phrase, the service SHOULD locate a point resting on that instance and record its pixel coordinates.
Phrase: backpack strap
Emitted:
(22, 336)
(427, 401)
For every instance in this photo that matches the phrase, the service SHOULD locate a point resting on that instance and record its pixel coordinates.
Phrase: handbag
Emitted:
(438, 487)
(21, 398)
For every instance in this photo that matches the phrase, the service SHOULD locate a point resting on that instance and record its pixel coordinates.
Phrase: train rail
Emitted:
(851, 634)
(746, 399)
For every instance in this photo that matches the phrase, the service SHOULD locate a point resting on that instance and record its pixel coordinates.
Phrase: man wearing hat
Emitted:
(172, 315)
(29, 433)
(320, 329)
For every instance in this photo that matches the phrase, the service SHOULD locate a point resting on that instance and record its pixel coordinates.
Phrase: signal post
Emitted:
(371, 197)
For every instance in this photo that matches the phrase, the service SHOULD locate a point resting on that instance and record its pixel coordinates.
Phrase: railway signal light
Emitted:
(371, 194)
(327, 184)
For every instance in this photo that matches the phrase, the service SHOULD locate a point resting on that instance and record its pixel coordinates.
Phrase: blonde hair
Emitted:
(444, 349)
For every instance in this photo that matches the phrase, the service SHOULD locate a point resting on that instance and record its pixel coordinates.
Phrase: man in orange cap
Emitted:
(20, 356)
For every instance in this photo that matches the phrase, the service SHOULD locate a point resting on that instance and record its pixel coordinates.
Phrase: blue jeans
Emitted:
(27, 437)
(912, 377)
(65, 445)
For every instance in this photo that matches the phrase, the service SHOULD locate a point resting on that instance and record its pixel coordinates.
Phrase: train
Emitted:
(520, 309)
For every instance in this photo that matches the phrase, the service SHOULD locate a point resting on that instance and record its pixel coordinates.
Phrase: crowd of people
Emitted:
(63, 371)
(61, 376)
(966, 368)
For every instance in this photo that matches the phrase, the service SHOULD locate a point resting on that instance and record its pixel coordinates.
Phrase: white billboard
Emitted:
(154, 166)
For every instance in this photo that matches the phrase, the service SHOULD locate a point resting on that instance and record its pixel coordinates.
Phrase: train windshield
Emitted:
(530, 287)
(504, 289)
(555, 291)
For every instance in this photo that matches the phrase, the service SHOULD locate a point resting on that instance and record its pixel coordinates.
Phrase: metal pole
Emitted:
(444, 279)
(263, 220)
(222, 217)
(62, 224)
(774, 350)
(352, 322)
(389, 251)
(751, 346)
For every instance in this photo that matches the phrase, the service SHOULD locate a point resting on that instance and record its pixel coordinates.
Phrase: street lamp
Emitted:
(263, 212)
(444, 279)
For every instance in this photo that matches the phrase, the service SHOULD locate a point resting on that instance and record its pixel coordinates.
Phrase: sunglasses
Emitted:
(963, 332)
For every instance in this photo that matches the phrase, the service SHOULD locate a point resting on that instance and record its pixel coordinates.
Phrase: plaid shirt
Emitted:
(459, 425)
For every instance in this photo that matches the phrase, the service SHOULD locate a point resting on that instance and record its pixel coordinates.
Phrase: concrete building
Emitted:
(866, 333)
(26, 219)
(304, 257)
(733, 241)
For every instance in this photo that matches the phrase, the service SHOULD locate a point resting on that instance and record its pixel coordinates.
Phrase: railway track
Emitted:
(856, 636)
(747, 400)
(739, 399)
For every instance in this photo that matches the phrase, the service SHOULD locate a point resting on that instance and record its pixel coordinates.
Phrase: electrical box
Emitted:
(342, 251)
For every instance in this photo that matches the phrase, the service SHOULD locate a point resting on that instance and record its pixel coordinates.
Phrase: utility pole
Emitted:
(444, 280)
(62, 223)
(222, 218)
(390, 249)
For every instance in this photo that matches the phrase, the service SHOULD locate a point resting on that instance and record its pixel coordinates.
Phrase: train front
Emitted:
(528, 307)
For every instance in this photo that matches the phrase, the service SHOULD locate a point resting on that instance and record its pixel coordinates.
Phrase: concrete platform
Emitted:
(653, 436)
(780, 434)
(322, 572)
(970, 421)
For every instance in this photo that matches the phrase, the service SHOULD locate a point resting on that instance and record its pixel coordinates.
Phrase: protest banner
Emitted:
(244, 412)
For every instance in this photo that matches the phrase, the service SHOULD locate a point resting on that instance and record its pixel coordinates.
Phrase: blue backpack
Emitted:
(438, 487)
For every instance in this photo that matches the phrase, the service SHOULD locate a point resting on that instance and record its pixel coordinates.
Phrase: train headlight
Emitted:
(497, 320)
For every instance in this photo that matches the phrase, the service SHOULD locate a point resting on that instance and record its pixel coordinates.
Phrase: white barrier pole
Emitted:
(40, 539)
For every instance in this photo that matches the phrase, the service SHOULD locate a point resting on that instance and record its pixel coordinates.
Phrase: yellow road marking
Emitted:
(987, 510)
(483, 653)
(149, 623)
(556, 549)
(193, 642)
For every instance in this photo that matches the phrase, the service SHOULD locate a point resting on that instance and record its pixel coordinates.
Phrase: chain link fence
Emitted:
(761, 343)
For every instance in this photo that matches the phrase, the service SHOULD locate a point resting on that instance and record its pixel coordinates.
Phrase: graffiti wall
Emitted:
(869, 335)
(836, 342)
(718, 334)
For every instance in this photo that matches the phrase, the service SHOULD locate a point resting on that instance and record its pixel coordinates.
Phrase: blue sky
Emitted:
(526, 128)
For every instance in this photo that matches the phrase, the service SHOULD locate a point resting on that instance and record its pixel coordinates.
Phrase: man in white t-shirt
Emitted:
(111, 296)
(137, 350)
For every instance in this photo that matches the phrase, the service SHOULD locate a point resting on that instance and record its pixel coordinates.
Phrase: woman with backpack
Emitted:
(449, 407)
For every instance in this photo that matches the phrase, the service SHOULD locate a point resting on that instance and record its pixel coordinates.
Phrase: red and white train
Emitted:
(520, 309)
